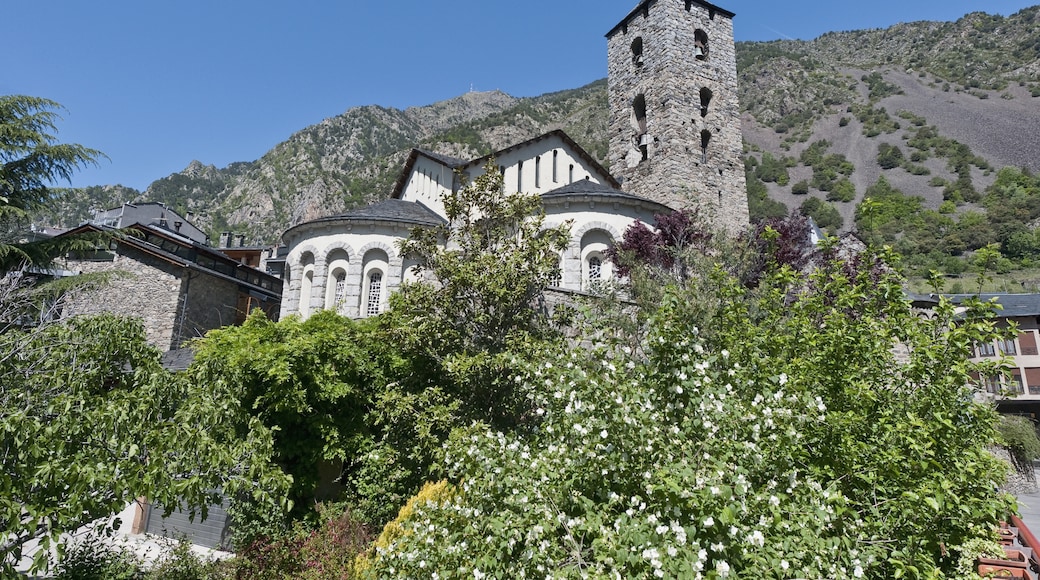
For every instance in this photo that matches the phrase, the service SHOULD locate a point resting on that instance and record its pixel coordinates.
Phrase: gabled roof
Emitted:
(187, 253)
(645, 5)
(454, 164)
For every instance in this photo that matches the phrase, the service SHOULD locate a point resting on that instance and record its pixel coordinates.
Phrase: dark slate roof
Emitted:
(397, 211)
(390, 210)
(178, 359)
(445, 159)
(645, 4)
(1012, 305)
(586, 187)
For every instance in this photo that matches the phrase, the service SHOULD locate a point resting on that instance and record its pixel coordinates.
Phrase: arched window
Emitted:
(637, 51)
(705, 100)
(556, 153)
(705, 140)
(520, 176)
(306, 284)
(336, 284)
(538, 172)
(375, 265)
(700, 44)
(596, 270)
(375, 293)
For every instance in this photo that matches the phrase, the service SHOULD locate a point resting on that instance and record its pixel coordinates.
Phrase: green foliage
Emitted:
(843, 190)
(823, 213)
(1018, 435)
(800, 188)
(92, 558)
(889, 156)
(760, 205)
(764, 431)
(30, 160)
(875, 120)
(326, 551)
(772, 170)
(878, 87)
(305, 383)
(86, 412)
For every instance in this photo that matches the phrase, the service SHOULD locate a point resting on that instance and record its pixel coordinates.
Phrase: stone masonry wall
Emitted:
(677, 172)
(147, 288)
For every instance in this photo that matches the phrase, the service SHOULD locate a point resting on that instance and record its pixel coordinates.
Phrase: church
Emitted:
(675, 143)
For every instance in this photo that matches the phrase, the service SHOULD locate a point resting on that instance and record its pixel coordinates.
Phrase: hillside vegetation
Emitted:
(920, 117)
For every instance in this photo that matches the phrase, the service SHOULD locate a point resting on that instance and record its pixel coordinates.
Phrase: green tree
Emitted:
(89, 421)
(31, 160)
(823, 213)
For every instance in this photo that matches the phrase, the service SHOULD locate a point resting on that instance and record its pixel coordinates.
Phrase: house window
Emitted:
(992, 384)
(700, 45)
(1015, 384)
(375, 290)
(557, 276)
(556, 154)
(985, 349)
(570, 174)
(520, 176)
(537, 172)
(1007, 346)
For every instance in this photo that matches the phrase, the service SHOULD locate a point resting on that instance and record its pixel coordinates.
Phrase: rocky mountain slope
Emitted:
(816, 116)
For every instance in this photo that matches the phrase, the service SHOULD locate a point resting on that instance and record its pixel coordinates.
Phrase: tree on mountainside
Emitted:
(30, 161)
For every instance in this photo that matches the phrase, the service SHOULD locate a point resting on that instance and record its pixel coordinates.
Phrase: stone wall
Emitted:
(210, 302)
(142, 286)
(677, 170)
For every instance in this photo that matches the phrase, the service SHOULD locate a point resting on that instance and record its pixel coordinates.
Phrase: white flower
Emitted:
(783, 379)
(722, 568)
(709, 521)
(784, 565)
(858, 572)
(756, 539)
(672, 551)
(603, 434)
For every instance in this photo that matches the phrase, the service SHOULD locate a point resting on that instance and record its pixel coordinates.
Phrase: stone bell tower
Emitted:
(674, 117)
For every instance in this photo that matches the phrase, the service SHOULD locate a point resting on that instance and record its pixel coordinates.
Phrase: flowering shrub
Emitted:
(791, 439)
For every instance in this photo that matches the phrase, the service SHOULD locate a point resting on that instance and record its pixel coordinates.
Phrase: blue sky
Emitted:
(155, 84)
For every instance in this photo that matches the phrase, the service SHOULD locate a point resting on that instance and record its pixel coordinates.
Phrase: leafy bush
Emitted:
(889, 156)
(824, 214)
(786, 437)
(800, 188)
(843, 190)
(93, 558)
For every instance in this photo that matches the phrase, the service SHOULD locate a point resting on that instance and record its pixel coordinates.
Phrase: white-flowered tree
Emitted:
(815, 427)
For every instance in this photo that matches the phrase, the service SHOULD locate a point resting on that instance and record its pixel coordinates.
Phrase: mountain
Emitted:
(935, 108)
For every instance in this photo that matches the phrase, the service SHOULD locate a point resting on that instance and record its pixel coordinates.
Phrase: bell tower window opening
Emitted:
(705, 101)
(637, 51)
(639, 124)
(700, 44)
(705, 140)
